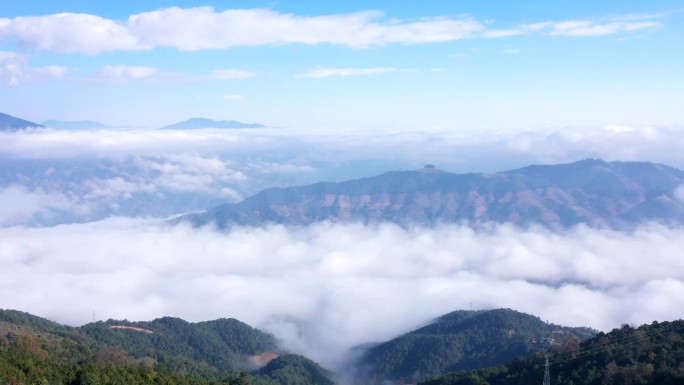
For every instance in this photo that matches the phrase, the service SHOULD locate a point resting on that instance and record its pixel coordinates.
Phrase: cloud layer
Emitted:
(456, 150)
(200, 28)
(325, 288)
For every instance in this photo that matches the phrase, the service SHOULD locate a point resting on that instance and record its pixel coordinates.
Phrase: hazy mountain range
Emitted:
(198, 123)
(592, 192)
(8, 122)
(75, 124)
(11, 123)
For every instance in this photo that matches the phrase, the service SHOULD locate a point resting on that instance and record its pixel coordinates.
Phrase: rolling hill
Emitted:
(648, 355)
(36, 350)
(462, 340)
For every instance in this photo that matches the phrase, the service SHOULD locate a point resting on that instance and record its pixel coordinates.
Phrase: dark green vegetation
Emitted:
(295, 370)
(650, 354)
(198, 123)
(620, 195)
(11, 123)
(164, 351)
(463, 340)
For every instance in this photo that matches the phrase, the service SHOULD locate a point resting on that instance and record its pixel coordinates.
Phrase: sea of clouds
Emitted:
(324, 288)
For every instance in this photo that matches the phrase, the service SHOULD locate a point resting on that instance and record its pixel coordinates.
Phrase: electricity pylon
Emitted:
(547, 375)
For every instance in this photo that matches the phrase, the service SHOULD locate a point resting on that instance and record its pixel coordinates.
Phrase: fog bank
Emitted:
(325, 288)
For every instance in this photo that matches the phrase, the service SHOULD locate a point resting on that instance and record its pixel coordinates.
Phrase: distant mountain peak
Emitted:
(12, 123)
(199, 123)
(430, 168)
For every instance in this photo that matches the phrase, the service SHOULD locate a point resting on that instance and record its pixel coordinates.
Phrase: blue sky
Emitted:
(357, 65)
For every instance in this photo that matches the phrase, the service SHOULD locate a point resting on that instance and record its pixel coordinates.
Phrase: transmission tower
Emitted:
(547, 376)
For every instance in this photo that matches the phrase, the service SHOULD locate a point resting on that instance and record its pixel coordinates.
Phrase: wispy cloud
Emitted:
(328, 72)
(233, 97)
(232, 74)
(129, 72)
(581, 27)
(148, 74)
(201, 28)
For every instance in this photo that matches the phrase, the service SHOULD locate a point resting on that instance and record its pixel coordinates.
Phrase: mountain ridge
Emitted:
(200, 123)
(649, 355)
(462, 340)
(592, 192)
(209, 352)
(12, 123)
(75, 124)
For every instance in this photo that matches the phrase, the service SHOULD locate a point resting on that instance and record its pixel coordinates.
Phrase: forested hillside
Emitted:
(168, 350)
(651, 354)
(464, 340)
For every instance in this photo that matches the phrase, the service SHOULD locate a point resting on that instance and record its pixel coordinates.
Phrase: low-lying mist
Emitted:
(325, 288)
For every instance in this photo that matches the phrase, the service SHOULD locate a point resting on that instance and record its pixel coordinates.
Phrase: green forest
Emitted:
(496, 347)
(650, 354)
(464, 340)
(164, 351)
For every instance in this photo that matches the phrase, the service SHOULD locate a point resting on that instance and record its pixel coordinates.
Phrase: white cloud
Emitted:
(115, 188)
(200, 28)
(495, 33)
(232, 74)
(204, 28)
(328, 72)
(679, 193)
(493, 150)
(21, 205)
(190, 29)
(15, 70)
(589, 28)
(70, 32)
(192, 173)
(328, 287)
(128, 72)
(233, 97)
(581, 28)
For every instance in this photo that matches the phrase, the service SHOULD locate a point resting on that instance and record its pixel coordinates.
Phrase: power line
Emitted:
(623, 341)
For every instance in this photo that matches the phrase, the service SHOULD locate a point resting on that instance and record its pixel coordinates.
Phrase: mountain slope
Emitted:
(11, 123)
(210, 352)
(285, 368)
(198, 123)
(224, 344)
(462, 340)
(649, 355)
(593, 192)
